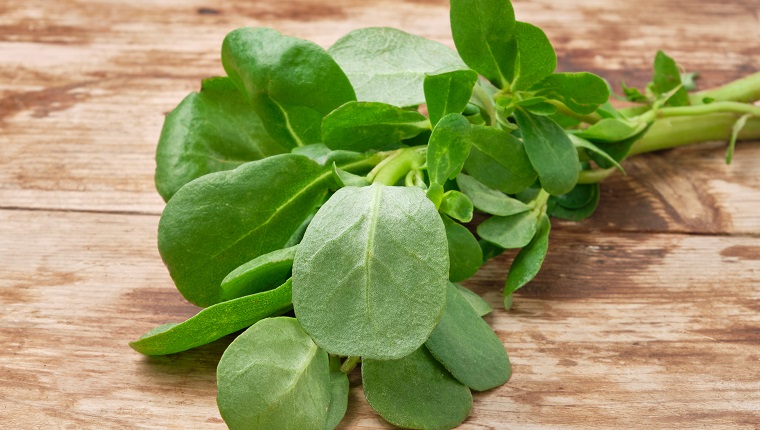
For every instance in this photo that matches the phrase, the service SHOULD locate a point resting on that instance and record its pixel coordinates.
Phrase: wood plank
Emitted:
(85, 85)
(620, 330)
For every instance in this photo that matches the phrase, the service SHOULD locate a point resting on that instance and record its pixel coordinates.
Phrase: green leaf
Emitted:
(483, 33)
(528, 261)
(350, 161)
(513, 231)
(499, 160)
(578, 197)
(295, 239)
(213, 130)
(222, 220)
(610, 130)
(360, 126)
(489, 200)
(613, 136)
(467, 347)
(581, 92)
(448, 148)
(507, 101)
(606, 110)
(339, 387)
(346, 179)
(260, 274)
(318, 152)
(215, 322)
(465, 255)
(481, 307)
(565, 121)
(457, 206)
(273, 376)
(448, 92)
(576, 211)
(579, 142)
(389, 66)
(551, 152)
(416, 392)
(735, 130)
(435, 194)
(544, 108)
(633, 94)
(292, 83)
(667, 77)
(370, 274)
(666, 99)
(489, 250)
(535, 59)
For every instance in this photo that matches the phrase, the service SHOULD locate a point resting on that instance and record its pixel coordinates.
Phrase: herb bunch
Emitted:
(308, 183)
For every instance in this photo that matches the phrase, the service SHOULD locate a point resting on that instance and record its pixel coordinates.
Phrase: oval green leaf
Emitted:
(370, 274)
(448, 148)
(346, 179)
(535, 59)
(260, 274)
(478, 303)
(551, 152)
(467, 347)
(214, 322)
(489, 200)
(448, 92)
(578, 197)
(666, 78)
(361, 126)
(213, 130)
(513, 231)
(611, 130)
(483, 33)
(389, 66)
(273, 376)
(499, 160)
(465, 254)
(415, 392)
(594, 151)
(578, 213)
(292, 83)
(489, 250)
(457, 206)
(350, 161)
(222, 220)
(581, 92)
(528, 261)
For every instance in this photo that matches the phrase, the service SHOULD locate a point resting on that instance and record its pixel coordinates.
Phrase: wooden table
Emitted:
(645, 316)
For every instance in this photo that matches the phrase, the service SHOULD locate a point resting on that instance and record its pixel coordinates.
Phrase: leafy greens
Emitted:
(311, 182)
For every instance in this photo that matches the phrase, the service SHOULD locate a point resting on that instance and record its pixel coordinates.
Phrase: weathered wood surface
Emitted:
(646, 316)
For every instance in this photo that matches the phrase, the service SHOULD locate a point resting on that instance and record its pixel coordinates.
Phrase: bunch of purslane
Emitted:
(308, 183)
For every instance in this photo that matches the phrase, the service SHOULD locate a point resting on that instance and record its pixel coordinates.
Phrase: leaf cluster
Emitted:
(351, 188)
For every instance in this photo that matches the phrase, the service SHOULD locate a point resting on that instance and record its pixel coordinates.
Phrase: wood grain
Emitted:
(646, 316)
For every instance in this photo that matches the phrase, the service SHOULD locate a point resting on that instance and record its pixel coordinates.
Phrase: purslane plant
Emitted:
(309, 183)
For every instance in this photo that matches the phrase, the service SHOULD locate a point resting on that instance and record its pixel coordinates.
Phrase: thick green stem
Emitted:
(394, 168)
(349, 364)
(746, 89)
(362, 165)
(679, 131)
(683, 130)
(692, 111)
